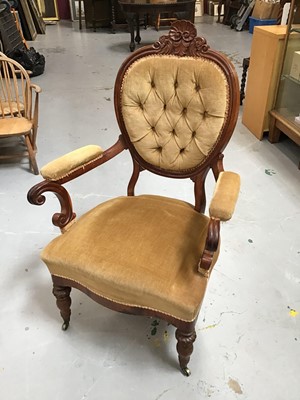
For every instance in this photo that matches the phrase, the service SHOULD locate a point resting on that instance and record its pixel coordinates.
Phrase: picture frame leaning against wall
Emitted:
(48, 9)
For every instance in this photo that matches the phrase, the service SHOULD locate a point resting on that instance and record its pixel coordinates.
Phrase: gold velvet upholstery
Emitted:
(225, 196)
(63, 166)
(176, 104)
(174, 109)
(141, 251)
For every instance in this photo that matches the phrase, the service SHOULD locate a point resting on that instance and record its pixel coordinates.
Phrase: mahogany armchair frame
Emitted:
(181, 41)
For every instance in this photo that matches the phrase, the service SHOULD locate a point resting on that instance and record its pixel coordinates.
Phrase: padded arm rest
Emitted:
(225, 196)
(65, 165)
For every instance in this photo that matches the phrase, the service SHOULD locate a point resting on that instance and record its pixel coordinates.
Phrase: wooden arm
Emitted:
(211, 246)
(66, 215)
(35, 87)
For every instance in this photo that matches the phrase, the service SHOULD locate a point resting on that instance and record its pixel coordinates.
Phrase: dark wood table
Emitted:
(182, 9)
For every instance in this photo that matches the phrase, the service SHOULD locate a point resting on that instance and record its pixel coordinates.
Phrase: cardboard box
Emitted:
(295, 68)
(266, 9)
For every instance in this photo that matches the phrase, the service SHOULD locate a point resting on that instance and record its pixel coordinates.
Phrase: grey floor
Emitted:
(248, 344)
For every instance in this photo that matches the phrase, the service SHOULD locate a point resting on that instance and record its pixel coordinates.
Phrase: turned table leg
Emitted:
(137, 22)
(246, 62)
(130, 20)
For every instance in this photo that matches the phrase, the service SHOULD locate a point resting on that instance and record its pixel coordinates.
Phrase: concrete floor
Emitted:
(248, 344)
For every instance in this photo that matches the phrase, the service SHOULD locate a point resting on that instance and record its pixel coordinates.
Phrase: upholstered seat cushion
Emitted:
(141, 251)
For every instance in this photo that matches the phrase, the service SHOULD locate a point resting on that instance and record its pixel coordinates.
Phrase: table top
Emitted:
(151, 3)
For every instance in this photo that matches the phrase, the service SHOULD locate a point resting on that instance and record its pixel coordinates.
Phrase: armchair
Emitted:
(18, 112)
(176, 104)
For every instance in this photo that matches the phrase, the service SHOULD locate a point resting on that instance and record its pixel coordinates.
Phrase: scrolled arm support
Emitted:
(36, 196)
(211, 246)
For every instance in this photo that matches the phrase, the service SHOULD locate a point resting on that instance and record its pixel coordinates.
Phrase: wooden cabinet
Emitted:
(98, 13)
(263, 74)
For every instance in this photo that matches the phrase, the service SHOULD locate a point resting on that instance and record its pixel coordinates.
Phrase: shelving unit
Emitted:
(287, 100)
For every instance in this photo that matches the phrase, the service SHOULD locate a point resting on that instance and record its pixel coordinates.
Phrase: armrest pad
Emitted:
(225, 196)
(63, 166)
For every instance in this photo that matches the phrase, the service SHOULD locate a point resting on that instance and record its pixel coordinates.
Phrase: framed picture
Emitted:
(37, 16)
(48, 9)
(28, 26)
(74, 7)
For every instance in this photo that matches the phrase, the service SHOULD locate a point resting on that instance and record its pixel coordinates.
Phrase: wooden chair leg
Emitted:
(63, 302)
(184, 347)
(31, 153)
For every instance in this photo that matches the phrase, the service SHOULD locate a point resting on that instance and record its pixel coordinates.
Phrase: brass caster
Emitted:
(65, 326)
(186, 371)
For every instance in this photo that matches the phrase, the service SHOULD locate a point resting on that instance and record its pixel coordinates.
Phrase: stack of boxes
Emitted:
(265, 12)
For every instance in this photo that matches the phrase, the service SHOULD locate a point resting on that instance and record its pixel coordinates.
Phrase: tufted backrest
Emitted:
(176, 103)
(174, 109)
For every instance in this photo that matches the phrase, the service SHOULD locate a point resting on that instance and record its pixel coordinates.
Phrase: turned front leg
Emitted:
(184, 347)
(63, 302)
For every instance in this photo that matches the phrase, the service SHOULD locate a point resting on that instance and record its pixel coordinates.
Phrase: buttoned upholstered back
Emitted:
(177, 103)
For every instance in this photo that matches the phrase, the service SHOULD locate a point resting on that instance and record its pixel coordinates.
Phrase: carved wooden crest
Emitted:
(182, 40)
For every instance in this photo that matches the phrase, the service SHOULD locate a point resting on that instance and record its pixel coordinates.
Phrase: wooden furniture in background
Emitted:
(286, 106)
(231, 8)
(263, 74)
(18, 112)
(246, 63)
(181, 9)
(152, 255)
(103, 13)
(10, 36)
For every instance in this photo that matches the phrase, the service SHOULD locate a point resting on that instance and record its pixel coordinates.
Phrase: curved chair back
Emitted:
(15, 90)
(177, 104)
